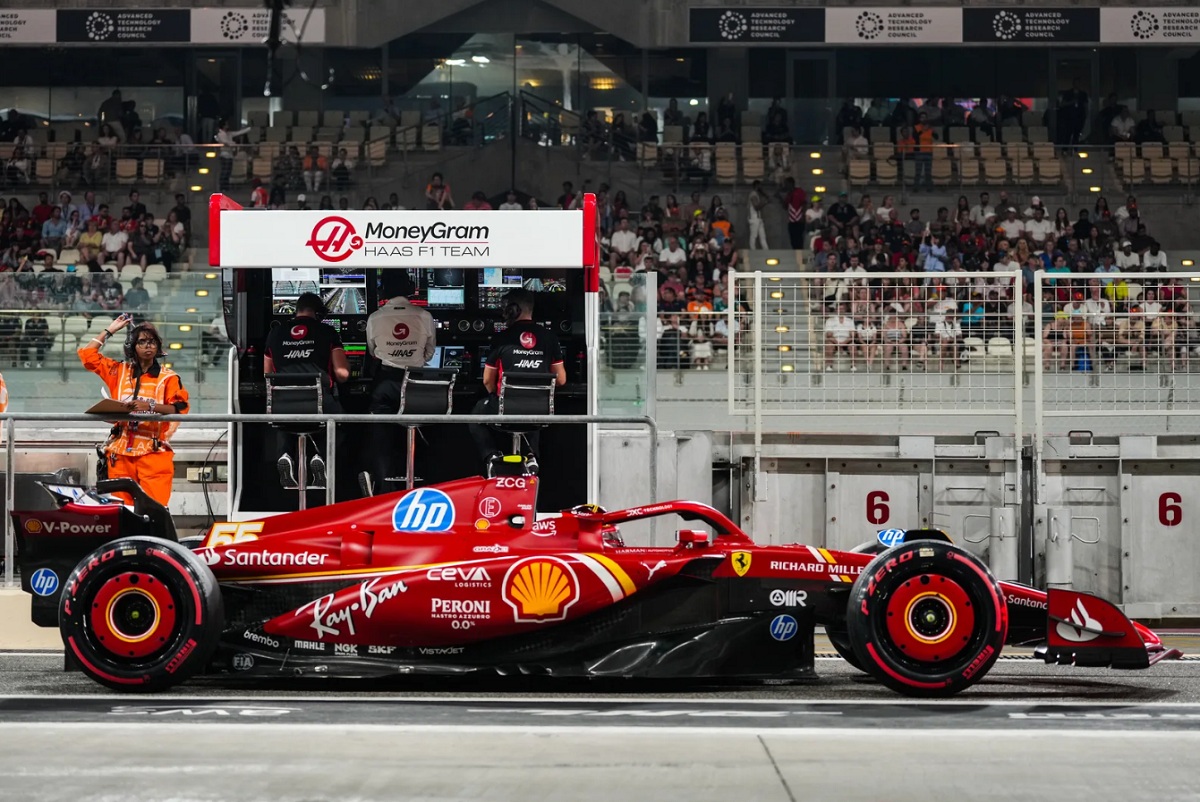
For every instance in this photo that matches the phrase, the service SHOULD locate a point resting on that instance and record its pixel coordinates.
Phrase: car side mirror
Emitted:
(693, 538)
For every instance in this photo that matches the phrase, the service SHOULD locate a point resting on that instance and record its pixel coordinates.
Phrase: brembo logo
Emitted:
(334, 239)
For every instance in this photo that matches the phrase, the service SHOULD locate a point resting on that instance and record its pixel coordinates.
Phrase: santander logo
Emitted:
(528, 340)
(400, 331)
(299, 331)
(334, 239)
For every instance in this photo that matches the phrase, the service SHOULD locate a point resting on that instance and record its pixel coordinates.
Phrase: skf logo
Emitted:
(741, 562)
(528, 340)
(334, 239)
(299, 331)
(540, 589)
(400, 331)
(226, 534)
(33, 526)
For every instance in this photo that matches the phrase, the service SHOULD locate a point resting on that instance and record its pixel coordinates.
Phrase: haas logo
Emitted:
(299, 331)
(334, 239)
(400, 331)
(528, 340)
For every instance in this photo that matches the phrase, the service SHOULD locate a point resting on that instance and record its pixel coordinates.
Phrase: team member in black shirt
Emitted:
(523, 349)
(306, 346)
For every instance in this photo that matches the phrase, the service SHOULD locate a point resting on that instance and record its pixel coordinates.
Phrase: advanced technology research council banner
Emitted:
(1033, 25)
(744, 25)
(893, 26)
(1163, 25)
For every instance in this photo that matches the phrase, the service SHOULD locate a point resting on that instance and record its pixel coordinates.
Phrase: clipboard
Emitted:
(107, 406)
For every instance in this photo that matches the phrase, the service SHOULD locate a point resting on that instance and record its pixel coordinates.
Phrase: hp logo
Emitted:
(44, 582)
(424, 510)
(784, 627)
(891, 537)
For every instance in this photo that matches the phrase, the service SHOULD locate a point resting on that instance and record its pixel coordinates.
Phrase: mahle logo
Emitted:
(334, 239)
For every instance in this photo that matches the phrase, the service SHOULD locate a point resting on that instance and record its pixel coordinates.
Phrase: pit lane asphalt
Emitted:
(1028, 731)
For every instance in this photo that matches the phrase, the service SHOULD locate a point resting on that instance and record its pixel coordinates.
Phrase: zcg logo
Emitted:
(424, 510)
(334, 239)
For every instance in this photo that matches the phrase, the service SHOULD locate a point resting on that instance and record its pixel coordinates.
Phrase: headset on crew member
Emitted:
(400, 336)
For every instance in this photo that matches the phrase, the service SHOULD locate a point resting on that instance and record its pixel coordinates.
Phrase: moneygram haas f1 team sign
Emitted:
(277, 238)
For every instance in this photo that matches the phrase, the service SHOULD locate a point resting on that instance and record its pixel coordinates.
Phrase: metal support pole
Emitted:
(760, 492)
(10, 490)
(1039, 421)
(302, 470)
(330, 462)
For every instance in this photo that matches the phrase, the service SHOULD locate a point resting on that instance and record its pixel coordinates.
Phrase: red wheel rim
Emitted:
(930, 618)
(133, 615)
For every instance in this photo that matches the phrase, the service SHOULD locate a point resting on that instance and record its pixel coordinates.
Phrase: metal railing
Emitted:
(11, 443)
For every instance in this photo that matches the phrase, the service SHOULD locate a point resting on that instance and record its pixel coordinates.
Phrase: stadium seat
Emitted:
(1161, 171)
(152, 171)
(860, 172)
(127, 171)
(885, 172)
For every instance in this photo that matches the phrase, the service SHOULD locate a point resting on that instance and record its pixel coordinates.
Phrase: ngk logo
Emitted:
(299, 331)
(400, 331)
(334, 239)
(528, 340)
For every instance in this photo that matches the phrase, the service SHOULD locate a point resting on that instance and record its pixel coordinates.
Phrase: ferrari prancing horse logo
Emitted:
(741, 562)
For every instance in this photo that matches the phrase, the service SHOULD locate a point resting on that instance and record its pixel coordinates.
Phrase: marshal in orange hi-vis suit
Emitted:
(140, 450)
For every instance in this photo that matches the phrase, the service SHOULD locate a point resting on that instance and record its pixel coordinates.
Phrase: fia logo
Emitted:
(784, 628)
(424, 510)
(44, 582)
(891, 537)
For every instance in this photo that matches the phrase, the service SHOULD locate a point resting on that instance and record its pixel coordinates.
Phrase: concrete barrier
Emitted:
(17, 631)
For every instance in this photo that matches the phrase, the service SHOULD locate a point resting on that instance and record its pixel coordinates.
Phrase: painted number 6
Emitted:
(1169, 511)
(877, 507)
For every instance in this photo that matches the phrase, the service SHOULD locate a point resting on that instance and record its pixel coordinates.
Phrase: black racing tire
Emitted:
(141, 614)
(840, 640)
(927, 619)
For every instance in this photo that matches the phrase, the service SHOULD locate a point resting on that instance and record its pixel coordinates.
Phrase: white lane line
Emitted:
(816, 730)
(574, 700)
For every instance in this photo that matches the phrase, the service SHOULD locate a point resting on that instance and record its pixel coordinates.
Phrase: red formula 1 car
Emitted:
(460, 579)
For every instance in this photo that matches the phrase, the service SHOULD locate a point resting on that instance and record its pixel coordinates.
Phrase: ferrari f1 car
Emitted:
(463, 578)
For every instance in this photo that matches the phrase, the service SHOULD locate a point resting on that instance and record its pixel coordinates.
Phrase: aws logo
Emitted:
(540, 589)
(424, 510)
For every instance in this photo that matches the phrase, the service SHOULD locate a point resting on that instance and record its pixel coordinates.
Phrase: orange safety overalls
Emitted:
(140, 450)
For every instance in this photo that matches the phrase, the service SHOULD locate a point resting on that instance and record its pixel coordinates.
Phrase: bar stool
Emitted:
(423, 392)
(297, 394)
(524, 395)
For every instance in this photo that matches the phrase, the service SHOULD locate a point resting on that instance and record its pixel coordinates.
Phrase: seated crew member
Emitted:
(523, 349)
(139, 450)
(400, 336)
(306, 346)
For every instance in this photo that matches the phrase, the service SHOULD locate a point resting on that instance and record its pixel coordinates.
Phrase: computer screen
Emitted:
(288, 283)
(494, 283)
(344, 290)
(448, 357)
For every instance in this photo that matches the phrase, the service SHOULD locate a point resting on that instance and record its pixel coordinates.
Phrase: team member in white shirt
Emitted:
(401, 336)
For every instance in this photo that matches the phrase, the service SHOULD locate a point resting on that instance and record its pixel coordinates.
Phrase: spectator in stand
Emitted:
(74, 229)
(478, 202)
(1154, 259)
(755, 202)
(258, 195)
(90, 242)
(983, 212)
(1123, 126)
(924, 135)
(137, 298)
(113, 245)
(437, 194)
(623, 245)
(228, 141)
(1011, 227)
(510, 202)
(316, 166)
(54, 230)
(840, 333)
(341, 169)
(1149, 129)
(140, 247)
(857, 146)
(37, 338)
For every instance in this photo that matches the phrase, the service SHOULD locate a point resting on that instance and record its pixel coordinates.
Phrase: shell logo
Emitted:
(33, 526)
(540, 589)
